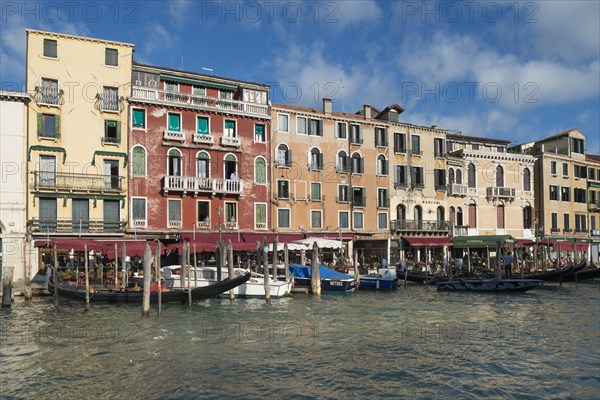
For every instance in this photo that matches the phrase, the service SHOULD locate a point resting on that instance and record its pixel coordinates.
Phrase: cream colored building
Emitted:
(330, 175)
(490, 190)
(77, 134)
(13, 106)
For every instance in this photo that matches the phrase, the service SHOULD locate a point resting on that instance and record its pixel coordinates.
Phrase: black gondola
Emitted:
(584, 274)
(168, 296)
(556, 275)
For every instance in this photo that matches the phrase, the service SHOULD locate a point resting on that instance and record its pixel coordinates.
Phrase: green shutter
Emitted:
(174, 123)
(39, 125)
(118, 132)
(202, 127)
(57, 126)
(138, 118)
(229, 125)
(363, 194)
(261, 214)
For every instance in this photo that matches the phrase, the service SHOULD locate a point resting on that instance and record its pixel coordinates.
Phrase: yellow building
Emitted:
(77, 134)
(330, 175)
(490, 190)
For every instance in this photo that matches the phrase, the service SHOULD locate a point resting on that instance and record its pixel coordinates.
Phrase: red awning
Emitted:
(427, 241)
(564, 245)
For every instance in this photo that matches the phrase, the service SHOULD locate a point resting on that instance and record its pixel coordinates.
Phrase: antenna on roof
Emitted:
(209, 70)
(181, 55)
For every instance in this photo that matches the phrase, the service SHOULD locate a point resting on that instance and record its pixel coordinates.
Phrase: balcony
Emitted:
(342, 169)
(49, 96)
(68, 225)
(400, 150)
(192, 184)
(203, 139)
(139, 223)
(594, 205)
(231, 225)
(460, 230)
(174, 135)
(260, 225)
(455, 189)
(400, 185)
(315, 166)
(203, 224)
(554, 230)
(230, 141)
(172, 224)
(416, 153)
(110, 140)
(59, 181)
(417, 185)
(283, 163)
(439, 154)
(356, 140)
(500, 193)
(419, 225)
(198, 101)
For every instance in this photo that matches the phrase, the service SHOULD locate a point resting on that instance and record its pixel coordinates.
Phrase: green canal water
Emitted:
(411, 343)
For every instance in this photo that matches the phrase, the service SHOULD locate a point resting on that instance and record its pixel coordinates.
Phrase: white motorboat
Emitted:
(204, 276)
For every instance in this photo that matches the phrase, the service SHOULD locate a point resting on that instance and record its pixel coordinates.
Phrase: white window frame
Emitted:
(266, 216)
(289, 210)
(297, 125)
(288, 122)
(180, 211)
(277, 188)
(264, 131)
(320, 218)
(180, 121)
(132, 221)
(209, 211)
(363, 219)
(145, 128)
(266, 171)
(377, 171)
(237, 212)
(209, 162)
(225, 134)
(145, 162)
(208, 125)
(338, 123)
(339, 220)
(386, 220)
(320, 191)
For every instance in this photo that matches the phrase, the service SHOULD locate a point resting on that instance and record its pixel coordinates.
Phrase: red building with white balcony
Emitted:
(199, 148)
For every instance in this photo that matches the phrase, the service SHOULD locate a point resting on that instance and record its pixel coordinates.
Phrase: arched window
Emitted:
(499, 176)
(450, 176)
(401, 216)
(260, 170)
(527, 217)
(174, 163)
(459, 177)
(138, 161)
(202, 165)
(230, 167)
(452, 216)
(283, 156)
(500, 216)
(315, 159)
(382, 165)
(471, 176)
(418, 217)
(342, 162)
(526, 181)
(441, 217)
(358, 166)
(459, 216)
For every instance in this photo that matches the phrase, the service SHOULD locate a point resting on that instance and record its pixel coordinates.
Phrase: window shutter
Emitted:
(363, 195)
(385, 137)
(320, 128)
(118, 132)
(384, 168)
(361, 166)
(320, 161)
(57, 126)
(40, 131)
(289, 157)
(360, 134)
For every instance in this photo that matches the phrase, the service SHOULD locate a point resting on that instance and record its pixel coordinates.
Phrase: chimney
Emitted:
(327, 107)
(433, 126)
(367, 111)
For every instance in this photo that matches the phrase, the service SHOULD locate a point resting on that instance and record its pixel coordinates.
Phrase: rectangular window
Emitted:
(315, 127)
(438, 147)
(111, 57)
(174, 122)
(174, 210)
(110, 98)
(565, 169)
(138, 117)
(554, 221)
(553, 167)
(439, 176)
(344, 219)
(48, 212)
(112, 217)
(416, 144)
(48, 126)
(382, 220)
(203, 213)
(358, 219)
(400, 180)
(399, 142)
(359, 197)
(566, 226)
(138, 211)
(475, 147)
(260, 216)
(381, 138)
(302, 125)
(315, 219)
(343, 193)
(80, 213)
(282, 123)
(202, 125)
(283, 218)
(340, 130)
(259, 133)
(315, 191)
(592, 222)
(565, 194)
(553, 192)
(577, 146)
(592, 174)
(230, 129)
(112, 131)
(49, 92)
(50, 48)
(231, 213)
(356, 134)
(383, 200)
(418, 179)
(283, 189)
(255, 96)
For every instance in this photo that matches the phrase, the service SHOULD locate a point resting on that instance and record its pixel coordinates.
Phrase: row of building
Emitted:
(101, 146)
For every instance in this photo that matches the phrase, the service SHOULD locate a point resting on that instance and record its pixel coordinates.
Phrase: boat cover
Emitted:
(304, 271)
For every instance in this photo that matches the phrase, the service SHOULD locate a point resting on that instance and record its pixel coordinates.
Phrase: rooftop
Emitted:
(85, 38)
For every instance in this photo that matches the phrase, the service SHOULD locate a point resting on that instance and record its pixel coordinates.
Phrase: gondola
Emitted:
(554, 276)
(583, 274)
(167, 296)
(490, 285)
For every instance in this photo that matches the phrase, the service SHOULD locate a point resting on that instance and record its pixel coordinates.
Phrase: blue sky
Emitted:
(510, 70)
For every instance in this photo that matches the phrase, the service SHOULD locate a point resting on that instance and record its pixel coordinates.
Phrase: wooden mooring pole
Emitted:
(158, 276)
(147, 277)
(87, 278)
(275, 258)
(195, 267)
(125, 278)
(315, 278)
(266, 281)
(286, 262)
(54, 277)
(116, 267)
(188, 267)
(230, 266)
(7, 286)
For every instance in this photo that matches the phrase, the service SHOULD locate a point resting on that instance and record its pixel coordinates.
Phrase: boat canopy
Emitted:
(480, 241)
(304, 271)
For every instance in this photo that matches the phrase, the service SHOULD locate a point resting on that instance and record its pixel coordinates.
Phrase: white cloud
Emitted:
(159, 38)
(179, 11)
(349, 13)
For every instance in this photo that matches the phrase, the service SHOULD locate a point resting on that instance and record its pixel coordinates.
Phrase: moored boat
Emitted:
(331, 281)
(556, 275)
(490, 285)
(385, 278)
(167, 296)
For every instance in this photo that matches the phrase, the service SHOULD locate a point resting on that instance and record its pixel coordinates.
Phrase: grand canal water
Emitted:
(412, 343)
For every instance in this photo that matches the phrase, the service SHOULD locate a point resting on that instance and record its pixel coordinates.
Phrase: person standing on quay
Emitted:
(508, 259)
